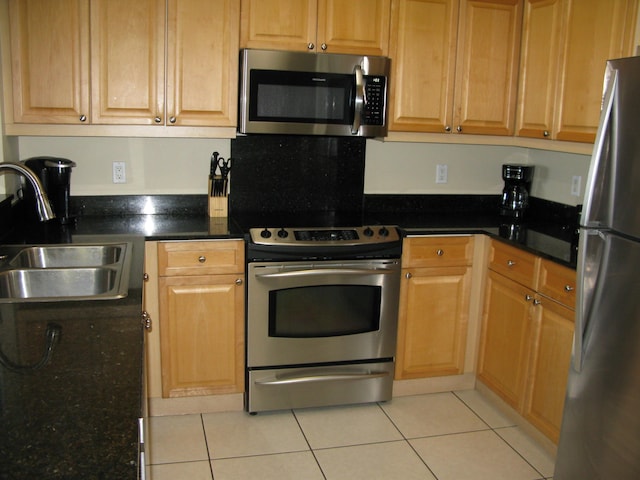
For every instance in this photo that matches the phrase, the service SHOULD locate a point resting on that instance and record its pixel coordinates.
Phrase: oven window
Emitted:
(324, 311)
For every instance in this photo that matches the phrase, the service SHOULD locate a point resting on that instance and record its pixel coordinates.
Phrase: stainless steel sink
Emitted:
(58, 256)
(49, 273)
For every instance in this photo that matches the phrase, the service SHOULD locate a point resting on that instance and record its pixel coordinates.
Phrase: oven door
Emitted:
(308, 313)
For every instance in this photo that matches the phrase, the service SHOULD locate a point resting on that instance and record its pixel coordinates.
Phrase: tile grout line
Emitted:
(206, 445)
(308, 444)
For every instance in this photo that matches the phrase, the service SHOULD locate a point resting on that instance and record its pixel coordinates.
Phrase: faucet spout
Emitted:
(45, 212)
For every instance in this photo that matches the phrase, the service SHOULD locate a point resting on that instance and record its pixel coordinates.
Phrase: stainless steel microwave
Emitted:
(313, 93)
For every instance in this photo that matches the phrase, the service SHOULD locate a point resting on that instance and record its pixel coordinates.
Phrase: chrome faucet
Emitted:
(45, 212)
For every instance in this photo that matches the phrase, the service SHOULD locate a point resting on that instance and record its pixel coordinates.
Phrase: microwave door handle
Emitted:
(359, 100)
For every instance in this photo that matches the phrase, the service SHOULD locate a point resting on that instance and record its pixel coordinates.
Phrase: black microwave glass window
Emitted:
(301, 97)
(324, 311)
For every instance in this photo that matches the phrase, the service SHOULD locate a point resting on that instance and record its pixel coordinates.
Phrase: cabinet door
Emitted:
(202, 335)
(422, 49)
(541, 37)
(356, 26)
(127, 54)
(487, 66)
(278, 24)
(202, 62)
(50, 60)
(433, 317)
(595, 31)
(553, 341)
(505, 340)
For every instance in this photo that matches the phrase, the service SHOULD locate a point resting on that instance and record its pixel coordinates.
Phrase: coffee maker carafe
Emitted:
(55, 175)
(515, 195)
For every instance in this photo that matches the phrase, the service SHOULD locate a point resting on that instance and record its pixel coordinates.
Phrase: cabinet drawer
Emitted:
(437, 251)
(515, 264)
(558, 282)
(200, 257)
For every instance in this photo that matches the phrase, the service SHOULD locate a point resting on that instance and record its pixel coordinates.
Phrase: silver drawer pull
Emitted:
(202, 259)
(568, 288)
(510, 263)
(440, 252)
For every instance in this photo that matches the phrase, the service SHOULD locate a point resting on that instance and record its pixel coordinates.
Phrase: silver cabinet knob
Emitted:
(528, 298)
(238, 281)
(545, 133)
(323, 46)
(447, 128)
(202, 259)
(440, 252)
(311, 46)
(459, 128)
(569, 288)
(157, 119)
(172, 119)
(145, 277)
(83, 118)
(510, 263)
(536, 301)
(408, 275)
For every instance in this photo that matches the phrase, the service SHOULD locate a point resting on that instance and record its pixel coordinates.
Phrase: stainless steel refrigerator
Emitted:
(600, 435)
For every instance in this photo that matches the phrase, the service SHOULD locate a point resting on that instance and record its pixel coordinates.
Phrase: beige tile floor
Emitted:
(441, 436)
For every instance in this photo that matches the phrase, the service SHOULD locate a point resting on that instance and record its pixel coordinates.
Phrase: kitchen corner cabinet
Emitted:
(109, 68)
(201, 296)
(332, 26)
(527, 334)
(434, 306)
(468, 82)
(565, 44)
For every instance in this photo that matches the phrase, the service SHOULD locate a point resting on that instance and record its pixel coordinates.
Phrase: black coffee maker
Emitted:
(517, 185)
(55, 175)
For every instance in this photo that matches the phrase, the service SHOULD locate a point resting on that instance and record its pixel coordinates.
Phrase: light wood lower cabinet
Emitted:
(527, 334)
(201, 317)
(434, 306)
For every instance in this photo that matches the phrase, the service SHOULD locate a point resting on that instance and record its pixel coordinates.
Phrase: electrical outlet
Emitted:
(442, 173)
(576, 185)
(119, 172)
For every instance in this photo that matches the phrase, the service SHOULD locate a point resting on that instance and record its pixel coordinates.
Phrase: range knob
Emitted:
(282, 233)
(368, 232)
(265, 233)
(383, 232)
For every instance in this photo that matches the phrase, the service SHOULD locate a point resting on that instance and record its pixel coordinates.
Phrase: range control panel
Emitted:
(377, 234)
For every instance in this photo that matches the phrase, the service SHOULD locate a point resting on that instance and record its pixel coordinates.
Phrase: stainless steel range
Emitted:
(322, 309)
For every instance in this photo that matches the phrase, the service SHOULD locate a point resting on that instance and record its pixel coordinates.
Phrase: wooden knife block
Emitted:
(218, 206)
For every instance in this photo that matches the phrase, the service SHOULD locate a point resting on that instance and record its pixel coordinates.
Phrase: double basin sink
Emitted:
(62, 272)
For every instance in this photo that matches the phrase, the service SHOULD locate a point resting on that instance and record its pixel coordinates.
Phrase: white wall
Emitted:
(180, 166)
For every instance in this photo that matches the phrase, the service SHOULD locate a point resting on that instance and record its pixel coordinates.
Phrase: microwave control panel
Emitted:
(375, 88)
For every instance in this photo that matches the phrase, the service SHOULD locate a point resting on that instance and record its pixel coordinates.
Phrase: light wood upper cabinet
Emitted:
(127, 68)
(50, 65)
(332, 26)
(434, 306)
(564, 49)
(202, 62)
(466, 82)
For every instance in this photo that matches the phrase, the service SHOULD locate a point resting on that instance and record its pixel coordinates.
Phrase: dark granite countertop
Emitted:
(76, 417)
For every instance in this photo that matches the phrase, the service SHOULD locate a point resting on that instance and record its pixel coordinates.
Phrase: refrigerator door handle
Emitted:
(591, 255)
(597, 190)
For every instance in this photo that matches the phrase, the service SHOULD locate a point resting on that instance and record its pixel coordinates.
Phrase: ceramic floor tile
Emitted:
(177, 438)
(473, 456)
(174, 471)
(484, 408)
(537, 456)
(434, 414)
(378, 461)
(237, 434)
(348, 425)
(281, 466)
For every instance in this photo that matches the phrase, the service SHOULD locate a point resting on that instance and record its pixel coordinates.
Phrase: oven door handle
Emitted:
(329, 377)
(327, 271)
